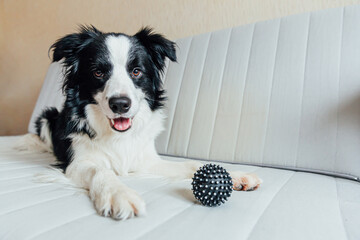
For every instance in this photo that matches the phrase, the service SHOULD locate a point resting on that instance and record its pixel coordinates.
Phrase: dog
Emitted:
(111, 116)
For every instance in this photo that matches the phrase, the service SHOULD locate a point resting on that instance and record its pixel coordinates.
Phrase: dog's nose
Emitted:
(120, 104)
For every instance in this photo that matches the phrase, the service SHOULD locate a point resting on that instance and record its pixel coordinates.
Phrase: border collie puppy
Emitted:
(112, 115)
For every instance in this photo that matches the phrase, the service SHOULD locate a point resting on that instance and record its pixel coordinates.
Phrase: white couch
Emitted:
(280, 98)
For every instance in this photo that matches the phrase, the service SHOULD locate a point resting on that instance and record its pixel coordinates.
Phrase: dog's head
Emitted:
(115, 71)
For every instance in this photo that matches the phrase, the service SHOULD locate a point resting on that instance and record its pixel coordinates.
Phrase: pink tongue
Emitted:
(122, 124)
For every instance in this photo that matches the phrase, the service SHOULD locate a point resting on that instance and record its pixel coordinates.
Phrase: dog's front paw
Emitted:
(119, 203)
(245, 182)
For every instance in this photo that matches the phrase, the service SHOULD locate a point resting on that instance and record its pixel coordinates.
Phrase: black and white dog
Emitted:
(111, 117)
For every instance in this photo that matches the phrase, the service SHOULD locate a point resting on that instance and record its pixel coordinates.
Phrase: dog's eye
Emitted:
(136, 73)
(98, 74)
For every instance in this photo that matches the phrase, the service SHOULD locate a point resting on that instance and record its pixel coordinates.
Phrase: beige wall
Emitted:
(29, 27)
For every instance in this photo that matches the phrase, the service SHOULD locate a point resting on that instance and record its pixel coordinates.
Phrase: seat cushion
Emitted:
(288, 205)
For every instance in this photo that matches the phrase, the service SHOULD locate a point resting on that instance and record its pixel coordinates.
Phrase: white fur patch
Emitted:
(45, 134)
(123, 152)
(120, 83)
(97, 161)
(31, 142)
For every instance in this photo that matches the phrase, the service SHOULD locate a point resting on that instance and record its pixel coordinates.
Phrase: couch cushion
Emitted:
(289, 205)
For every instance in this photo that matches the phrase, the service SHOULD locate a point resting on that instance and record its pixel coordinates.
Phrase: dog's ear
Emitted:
(157, 46)
(70, 47)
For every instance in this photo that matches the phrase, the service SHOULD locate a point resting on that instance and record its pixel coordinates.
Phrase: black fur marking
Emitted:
(61, 145)
(50, 115)
(82, 54)
(150, 49)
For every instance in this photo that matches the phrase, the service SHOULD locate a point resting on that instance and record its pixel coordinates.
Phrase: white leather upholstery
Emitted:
(289, 205)
(281, 93)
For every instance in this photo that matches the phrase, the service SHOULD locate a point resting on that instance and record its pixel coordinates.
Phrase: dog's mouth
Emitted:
(120, 124)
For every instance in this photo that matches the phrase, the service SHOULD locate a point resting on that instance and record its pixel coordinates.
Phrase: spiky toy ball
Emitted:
(212, 185)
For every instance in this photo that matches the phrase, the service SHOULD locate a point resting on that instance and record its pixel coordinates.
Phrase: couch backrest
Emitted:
(284, 92)
(50, 94)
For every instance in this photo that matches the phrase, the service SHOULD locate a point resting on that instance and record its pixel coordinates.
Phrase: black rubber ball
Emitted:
(212, 185)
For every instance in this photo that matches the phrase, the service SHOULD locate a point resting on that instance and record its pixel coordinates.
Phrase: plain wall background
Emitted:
(29, 27)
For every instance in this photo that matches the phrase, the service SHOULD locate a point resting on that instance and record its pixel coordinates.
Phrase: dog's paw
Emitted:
(245, 182)
(121, 203)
